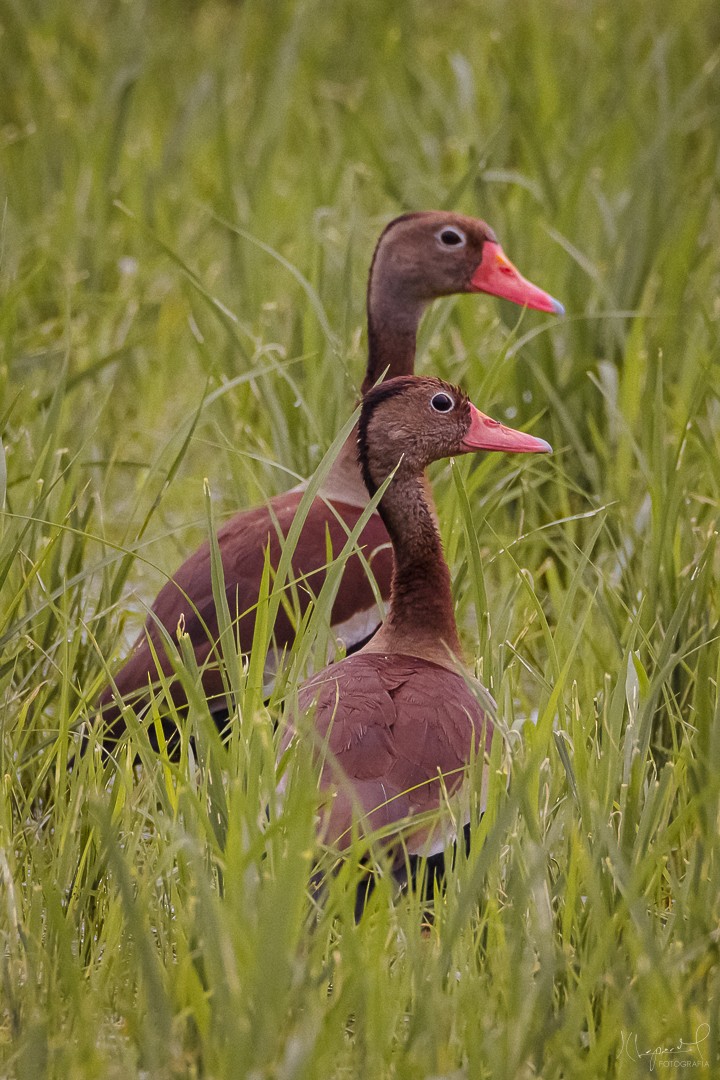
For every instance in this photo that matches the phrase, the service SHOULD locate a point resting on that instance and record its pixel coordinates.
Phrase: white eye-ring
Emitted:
(442, 403)
(451, 237)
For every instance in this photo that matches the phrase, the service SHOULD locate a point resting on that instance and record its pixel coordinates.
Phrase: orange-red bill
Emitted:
(497, 276)
(488, 434)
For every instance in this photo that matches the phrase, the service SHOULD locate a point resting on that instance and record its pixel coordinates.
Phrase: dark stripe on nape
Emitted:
(397, 221)
(370, 402)
(389, 228)
(372, 336)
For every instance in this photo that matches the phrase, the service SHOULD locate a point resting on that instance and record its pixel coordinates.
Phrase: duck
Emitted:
(418, 258)
(397, 723)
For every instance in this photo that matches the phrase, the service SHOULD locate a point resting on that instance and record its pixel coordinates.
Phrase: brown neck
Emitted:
(420, 619)
(393, 321)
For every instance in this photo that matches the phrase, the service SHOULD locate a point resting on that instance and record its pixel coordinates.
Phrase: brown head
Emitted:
(420, 257)
(436, 253)
(410, 421)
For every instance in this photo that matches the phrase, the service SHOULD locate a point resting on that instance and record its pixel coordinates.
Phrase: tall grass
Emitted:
(190, 197)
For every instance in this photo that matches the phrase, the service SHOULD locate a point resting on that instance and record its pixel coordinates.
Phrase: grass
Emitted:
(190, 197)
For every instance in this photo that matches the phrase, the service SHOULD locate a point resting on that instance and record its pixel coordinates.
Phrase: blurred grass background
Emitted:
(191, 193)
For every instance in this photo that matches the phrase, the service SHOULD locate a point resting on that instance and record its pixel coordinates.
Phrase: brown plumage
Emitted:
(419, 257)
(190, 596)
(400, 720)
(398, 730)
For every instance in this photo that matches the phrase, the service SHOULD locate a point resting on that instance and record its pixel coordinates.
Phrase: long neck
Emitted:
(420, 619)
(393, 319)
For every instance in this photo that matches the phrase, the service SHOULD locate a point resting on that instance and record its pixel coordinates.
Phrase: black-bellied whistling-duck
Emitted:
(418, 258)
(397, 719)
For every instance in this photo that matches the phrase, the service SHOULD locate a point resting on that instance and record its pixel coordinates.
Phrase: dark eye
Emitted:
(451, 237)
(442, 403)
